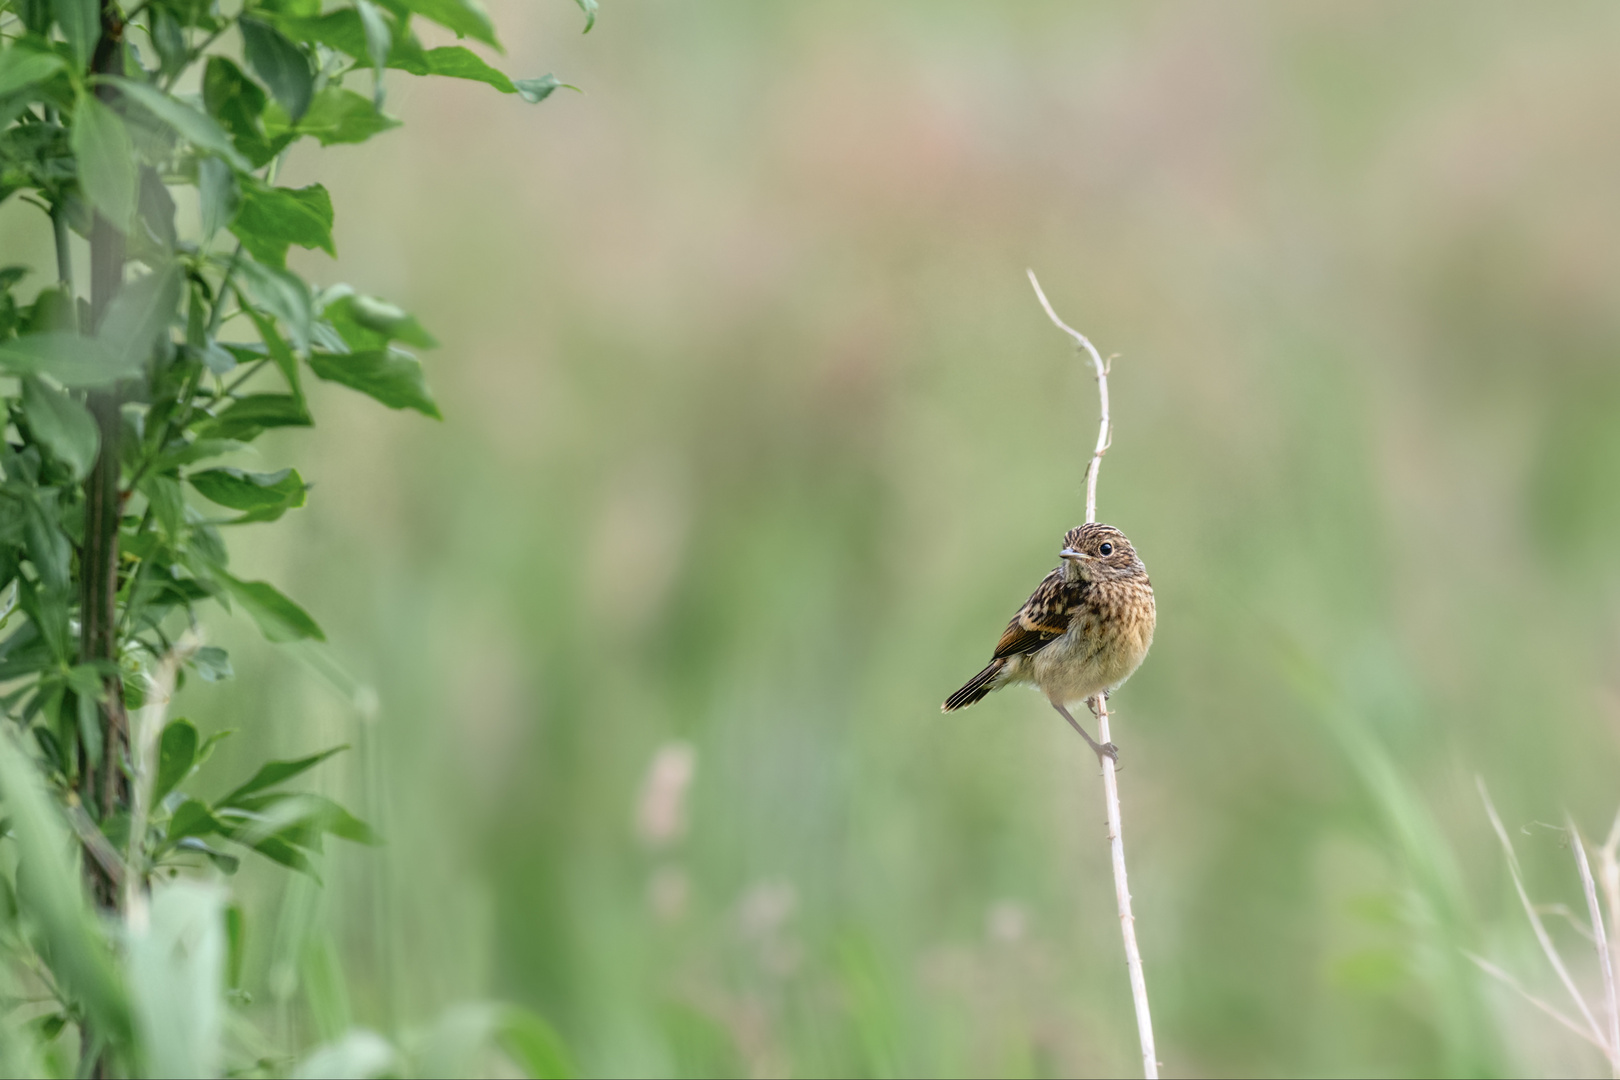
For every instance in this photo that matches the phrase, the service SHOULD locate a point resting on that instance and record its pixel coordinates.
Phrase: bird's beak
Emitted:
(1071, 553)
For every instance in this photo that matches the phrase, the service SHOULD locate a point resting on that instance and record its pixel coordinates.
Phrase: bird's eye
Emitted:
(1106, 549)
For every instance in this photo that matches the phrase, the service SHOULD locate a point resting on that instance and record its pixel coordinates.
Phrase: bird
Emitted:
(1083, 631)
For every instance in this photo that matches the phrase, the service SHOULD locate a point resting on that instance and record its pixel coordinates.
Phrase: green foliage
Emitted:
(192, 343)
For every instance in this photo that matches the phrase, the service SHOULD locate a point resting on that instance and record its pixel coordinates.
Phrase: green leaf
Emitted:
(283, 356)
(535, 91)
(589, 8)
(156, 207)
(63, 424)
(177, 753)
(272, 773)
(335, 116)
(199, 129)
(301, 818)
(219, 195)
(281, 294)
(278, 850)
(71, 359)
(49, 551)
(207, 748)
(248, 416)
(455, 62)
(193, 818)
(168, 505)
(365, 322)
(169, 40)
(80, 21)
(139, 316)
(466, 17)
(379, 38)
(273, 218)
(257, 492)
(89, 722)
(227, 864)
(281, 64)
(86, 680)
(49, 890)
(236, 936)
(343, 30)
(197, 451)
(106, 156)
(237, 102)
(389, 375)
(339, 822)
(52, 309)
(212, 663)
(279, 619)
(21, 68)
(533, 1044)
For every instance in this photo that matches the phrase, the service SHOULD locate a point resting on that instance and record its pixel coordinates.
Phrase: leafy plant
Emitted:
(127, 407)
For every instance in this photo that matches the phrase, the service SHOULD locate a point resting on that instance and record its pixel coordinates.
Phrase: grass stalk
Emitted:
(1116, 838)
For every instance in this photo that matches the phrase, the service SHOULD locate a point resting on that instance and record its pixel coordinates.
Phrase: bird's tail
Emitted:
(975, 688)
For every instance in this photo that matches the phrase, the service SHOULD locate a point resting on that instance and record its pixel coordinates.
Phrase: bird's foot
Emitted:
(1102, 750)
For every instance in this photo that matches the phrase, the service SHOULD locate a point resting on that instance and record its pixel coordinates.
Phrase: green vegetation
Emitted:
(129, 415)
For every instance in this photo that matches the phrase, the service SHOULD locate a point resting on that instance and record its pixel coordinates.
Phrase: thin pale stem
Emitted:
(1513, 984)
(148, 730)
(1122, 896)
(1536, 924)
(1609, 873)
(1600, 941)
(1116, 839)
(1105, 428)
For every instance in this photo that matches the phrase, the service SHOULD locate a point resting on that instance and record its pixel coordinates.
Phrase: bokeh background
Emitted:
(755, 436)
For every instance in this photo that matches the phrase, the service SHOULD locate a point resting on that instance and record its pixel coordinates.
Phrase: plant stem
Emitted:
(59, 231)
(98, 615)
(1116, 839)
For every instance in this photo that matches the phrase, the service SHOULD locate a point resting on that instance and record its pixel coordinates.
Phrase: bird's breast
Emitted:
(1110, 632)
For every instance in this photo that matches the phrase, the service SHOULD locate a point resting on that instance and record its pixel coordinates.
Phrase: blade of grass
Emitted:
(1536, 924)
(1600, 941)
(79, 954)
(1513, 984)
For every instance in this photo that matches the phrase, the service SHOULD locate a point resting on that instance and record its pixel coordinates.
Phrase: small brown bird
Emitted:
(1081, 633)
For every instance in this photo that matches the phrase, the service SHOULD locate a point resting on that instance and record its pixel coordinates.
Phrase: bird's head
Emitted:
(1096, 552)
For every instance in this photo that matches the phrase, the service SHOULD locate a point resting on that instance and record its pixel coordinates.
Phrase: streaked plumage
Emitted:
(1082, 632)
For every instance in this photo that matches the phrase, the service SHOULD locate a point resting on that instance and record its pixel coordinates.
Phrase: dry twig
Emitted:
(1116, 840)
(1606, 1040)
(1600, 941)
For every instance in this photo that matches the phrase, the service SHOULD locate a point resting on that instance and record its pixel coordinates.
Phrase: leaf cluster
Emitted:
(204, 343)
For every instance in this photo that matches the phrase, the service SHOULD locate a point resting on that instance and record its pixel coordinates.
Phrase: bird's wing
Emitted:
(1044, 617)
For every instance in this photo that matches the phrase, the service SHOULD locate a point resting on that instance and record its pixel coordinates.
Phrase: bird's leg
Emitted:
(1100, 749)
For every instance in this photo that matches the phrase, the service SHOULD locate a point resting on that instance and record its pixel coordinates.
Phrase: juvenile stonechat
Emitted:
(1082, 632)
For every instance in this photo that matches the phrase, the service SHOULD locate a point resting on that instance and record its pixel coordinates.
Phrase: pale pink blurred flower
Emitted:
(661, 809)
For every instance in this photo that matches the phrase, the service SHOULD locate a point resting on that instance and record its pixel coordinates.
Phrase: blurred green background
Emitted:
(755, 436)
